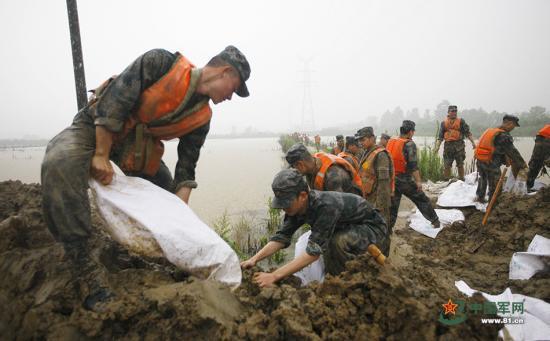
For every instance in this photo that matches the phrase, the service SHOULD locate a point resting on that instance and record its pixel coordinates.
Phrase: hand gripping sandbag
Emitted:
(151, 221)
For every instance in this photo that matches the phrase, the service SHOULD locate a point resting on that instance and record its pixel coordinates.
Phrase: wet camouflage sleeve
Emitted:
(383, 186)
(464, 128)
(410, 156)
(121, 97)
(441, 135)
(504, 144)
(188, 154)
(287, 229)
(326, 216)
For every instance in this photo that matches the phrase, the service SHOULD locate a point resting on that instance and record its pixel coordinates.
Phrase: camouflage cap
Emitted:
(339, 137)
(364, 132)
(296, 153)
(512, 118)
(452, 108)
(408, 125)
(385, 136)
(235, 58)
(350, 140)
(286, 185)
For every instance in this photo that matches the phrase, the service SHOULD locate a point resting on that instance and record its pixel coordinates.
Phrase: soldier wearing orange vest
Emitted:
(339, 145)
(376, 171)
(453, 131)
(324, 172)
(160, 96)
(407, 176)
(541, 154)
(351, 153)
(496, 148)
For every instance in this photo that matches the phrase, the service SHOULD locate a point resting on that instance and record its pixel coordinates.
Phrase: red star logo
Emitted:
(450, 307)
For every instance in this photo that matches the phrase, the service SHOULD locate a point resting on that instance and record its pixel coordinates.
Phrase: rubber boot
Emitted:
(461, 173)
(447, 173)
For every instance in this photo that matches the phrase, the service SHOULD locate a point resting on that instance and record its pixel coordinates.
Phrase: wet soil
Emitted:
(43, 293)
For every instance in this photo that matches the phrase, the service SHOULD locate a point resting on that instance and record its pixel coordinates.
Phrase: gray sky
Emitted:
(366, 56)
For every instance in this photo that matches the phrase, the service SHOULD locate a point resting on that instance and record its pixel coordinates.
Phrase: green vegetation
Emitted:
(430, 165)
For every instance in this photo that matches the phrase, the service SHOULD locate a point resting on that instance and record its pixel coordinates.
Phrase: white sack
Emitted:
(461, 194)
(536, 314)
(151, 221)
(446, 217)
(313, 272)
(524, 265)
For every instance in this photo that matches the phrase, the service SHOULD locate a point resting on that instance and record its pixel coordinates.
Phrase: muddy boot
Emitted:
(436, 224)
(447, 173)
(461, 173)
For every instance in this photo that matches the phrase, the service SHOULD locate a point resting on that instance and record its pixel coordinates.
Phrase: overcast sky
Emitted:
(366, 56)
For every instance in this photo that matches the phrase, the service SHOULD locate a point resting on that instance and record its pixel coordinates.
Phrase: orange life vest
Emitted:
(452, 129)
(368, 172)
(485, 148)
(395, 148)
(328, 160)
(354, 161)
(545, 131)
(160, 115)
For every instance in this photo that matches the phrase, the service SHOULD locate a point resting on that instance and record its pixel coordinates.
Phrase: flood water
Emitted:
(234, 175)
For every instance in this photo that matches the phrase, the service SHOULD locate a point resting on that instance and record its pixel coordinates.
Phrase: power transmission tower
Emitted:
(308, 119)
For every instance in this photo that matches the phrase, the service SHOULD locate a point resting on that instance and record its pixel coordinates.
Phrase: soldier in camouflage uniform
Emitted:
(352, 153)
(336, 177)
(453, 130)
(384, 138)
(85, 148)
(541, 153)
(407, 175)
(342, 226)
(376, 171)
(339, 145)
(503, 152)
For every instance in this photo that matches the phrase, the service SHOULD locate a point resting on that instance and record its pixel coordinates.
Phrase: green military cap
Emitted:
(296, 153)
(512, 118)
(286, 185)
(236, 59)
(339, 137)
(452, 108)
(350, 140)
(364, 132)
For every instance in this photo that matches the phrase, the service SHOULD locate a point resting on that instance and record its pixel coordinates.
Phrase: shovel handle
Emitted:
(494, 197)
(375, 252)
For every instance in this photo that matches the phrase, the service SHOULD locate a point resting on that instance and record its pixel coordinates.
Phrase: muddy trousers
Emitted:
(488, 177)
(541, 152)
(354, 240)
(64, 175)
(405, 185)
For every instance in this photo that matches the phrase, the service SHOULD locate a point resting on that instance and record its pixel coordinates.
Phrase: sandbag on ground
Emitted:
(149, 220)
(446, 218)
(524, 265)
(461, 194)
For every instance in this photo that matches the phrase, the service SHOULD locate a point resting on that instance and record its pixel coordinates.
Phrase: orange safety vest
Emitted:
(485, 148)
(545, 131)
(160, 115)
(328, 160)
(395, 148)
(355, 162)
(367, 171)
(452, 129)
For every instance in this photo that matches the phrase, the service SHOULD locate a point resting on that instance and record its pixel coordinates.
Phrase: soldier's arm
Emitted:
(264, 279)
(412, 163)
(383, 176)
(441, 134)
(289, 226)
(189, 148)
(506, 143)
(465, 128)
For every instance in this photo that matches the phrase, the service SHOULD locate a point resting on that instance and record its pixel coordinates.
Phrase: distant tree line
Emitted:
(427, 123)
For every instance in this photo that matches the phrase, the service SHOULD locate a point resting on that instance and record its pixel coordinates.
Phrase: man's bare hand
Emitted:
(419, 186)
(101, 169)
(247, 264)
(264, 279)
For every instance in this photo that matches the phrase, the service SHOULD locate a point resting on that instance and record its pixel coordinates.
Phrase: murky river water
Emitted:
(234, 175)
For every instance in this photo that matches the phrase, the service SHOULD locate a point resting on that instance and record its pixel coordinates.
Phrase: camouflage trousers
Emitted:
(352, 241)
(488, 175)
(541, 152)
(64, 175)
(454, 151)
(405, 185)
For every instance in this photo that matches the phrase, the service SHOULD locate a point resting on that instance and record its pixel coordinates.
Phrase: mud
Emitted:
(42, 293)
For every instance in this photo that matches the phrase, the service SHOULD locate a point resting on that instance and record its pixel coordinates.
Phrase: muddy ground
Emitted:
(42, 294)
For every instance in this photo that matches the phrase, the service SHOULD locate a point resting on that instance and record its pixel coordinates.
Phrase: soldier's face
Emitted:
(452, 114)
(298, 205)
(353, 148)
(383, 142)
(223, 87)
(508, 126)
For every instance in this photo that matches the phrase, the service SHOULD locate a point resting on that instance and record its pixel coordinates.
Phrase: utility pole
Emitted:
(308, 120)
(78, 62)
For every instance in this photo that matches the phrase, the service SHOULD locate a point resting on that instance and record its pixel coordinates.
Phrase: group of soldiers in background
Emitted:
(351, 197)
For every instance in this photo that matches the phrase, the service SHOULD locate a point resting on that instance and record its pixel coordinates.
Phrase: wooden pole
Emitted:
(494, 197)
(78, 62)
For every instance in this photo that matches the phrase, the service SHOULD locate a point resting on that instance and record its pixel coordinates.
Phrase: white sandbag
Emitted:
(514, 185)
(446, 218)
(524, 265)
(151, 221)
(461, 194)
(536, 314)
(313, 272)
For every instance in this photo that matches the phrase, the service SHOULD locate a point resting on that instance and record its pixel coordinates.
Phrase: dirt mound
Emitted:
(43, 294)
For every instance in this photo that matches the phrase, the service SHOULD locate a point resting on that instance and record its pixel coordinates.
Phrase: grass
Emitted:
(430, 165)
